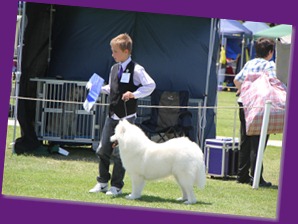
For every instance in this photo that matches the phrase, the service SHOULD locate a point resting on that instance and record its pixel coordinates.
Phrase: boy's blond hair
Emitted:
(124, 42)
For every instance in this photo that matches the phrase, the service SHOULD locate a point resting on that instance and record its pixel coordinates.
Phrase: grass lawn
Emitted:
(69, 179)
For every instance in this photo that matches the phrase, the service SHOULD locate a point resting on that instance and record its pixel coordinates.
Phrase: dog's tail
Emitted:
(201, 175)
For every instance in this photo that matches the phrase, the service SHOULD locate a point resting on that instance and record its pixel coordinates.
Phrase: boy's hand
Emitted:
(128, 95)
(114, 144)
(88, 85)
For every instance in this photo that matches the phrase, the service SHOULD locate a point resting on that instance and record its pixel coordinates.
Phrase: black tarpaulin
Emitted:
(74, 43)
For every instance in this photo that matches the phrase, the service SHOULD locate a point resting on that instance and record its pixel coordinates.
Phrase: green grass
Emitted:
(69, 179)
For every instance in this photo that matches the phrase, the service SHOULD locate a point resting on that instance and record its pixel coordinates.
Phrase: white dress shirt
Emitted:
(141, 77)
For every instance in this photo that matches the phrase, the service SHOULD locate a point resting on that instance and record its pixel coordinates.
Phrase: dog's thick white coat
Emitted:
(144, 159)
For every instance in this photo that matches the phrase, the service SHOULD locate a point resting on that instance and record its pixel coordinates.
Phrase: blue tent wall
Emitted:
(233, 31)
(81, 41)
(233, 48)
(255, 26)
(173, 49)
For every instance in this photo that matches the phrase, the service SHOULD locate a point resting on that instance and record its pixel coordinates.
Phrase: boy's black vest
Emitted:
(117, 105)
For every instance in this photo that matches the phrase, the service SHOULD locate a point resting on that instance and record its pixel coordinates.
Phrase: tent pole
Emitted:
(242, 51)
(251, 47)
(210, 54)
(219, 71)
(223, 42)
(50, 33)
(19, 71)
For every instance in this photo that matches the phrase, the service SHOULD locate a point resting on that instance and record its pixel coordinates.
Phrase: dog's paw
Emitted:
(131, 197)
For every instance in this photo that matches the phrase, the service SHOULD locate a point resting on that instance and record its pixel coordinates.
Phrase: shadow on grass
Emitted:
(226, 178)
(76, 153)
(233, 178)
(157, 199)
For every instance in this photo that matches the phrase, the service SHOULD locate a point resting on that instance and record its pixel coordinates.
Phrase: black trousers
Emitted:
(105, 153)
(248, 151)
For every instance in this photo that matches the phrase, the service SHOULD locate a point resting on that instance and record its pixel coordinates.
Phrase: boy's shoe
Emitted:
(99, 187)
(114, 191)
(246, 180)
(264, 183)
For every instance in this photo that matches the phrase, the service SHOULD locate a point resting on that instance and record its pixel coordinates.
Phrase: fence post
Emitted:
(262, 140)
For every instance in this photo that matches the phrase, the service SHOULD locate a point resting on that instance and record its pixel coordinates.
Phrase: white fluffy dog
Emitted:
(144, 159)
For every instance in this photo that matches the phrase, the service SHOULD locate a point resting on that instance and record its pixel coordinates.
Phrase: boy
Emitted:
(128, 81)
(249, 144)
